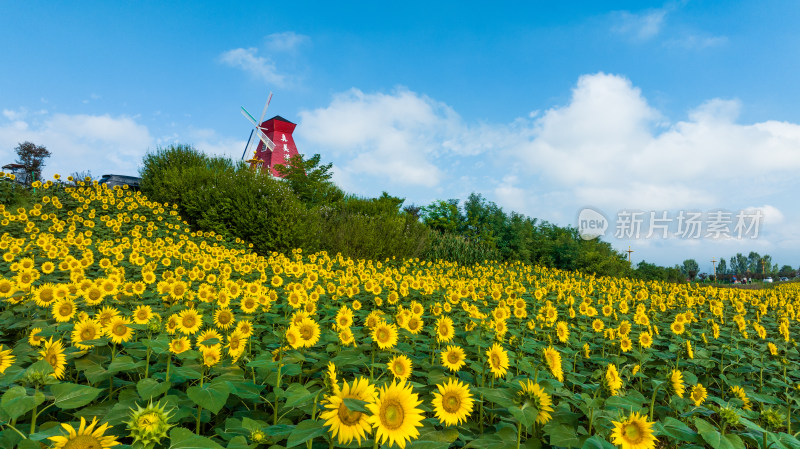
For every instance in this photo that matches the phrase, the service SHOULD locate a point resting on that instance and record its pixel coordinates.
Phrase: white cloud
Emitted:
(391, 136)
(99, 143)
(608, 146)
(259, 67)
(287, 41)
(695, 41)
(639, 26)
(262, 66)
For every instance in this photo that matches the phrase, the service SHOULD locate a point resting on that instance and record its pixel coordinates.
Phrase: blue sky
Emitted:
(543, 108)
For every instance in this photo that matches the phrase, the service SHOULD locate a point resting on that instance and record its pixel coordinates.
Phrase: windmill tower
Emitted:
(275, 141)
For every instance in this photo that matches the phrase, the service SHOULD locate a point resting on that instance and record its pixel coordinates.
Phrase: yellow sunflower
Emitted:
(45, 295)
(293, 337)
(562, 331)
(118, 330)
(223, 318)
(309, 332)
(613, 381)
(453, 358)
(699, 394)
(385, 335)
(179, 345)
(207, 337)
(245, 327)
(553, 360)
(211, 354)
(444, 329)
(53, 352)
(498, 360)
(344, 423)
(400, 366)
(236, 344)
(535, 395)
(34, 339)
(106, 314)
(85, 330)
(676, 380)
(84, 437)
(453, 403)
(645, 340)
(396, 414)
(6, 359)
(142, 314)
(64, 310)
(740, 393)
(415, 324)
(189, 321)
(635, 432)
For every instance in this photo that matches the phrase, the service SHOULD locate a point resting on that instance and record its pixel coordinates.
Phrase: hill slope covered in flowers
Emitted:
(123, 327)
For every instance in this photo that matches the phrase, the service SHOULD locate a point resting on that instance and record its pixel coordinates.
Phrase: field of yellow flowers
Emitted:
(121, 327)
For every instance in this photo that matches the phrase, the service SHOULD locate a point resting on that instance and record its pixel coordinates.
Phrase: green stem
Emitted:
(33, 414)
(169, 364)
(653, 401)
(277, 387)
(519, 434)
(199, 407)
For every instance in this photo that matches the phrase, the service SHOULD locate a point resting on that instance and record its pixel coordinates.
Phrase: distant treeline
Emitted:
(306, 210)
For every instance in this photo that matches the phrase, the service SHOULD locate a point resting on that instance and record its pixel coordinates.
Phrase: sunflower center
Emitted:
(189, 321)
(392, 414)
(348, 417)
(83, 442)
(382, 335)
(495, 360)
(52, 359)
(306, 332)
(452, 357)
(451, 403)
(65, 309)
(399, 368)
(633, 433)
(87, 333)
(119, 329)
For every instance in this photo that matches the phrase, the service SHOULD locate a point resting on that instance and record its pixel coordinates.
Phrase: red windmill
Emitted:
(276, 144)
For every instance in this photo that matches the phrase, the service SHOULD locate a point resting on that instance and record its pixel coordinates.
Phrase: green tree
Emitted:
(444, 216)
(32, 157)
(690, 268)
(310, 180)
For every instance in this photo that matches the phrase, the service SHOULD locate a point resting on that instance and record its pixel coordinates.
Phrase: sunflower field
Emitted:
(122, 327)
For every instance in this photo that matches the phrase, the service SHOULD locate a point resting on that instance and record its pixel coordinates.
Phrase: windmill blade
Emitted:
(264, 112)
(258, 131)
(247, 145)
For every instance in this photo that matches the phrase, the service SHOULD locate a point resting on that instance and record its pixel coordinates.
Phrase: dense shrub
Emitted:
(215, 194)
(455, 248)
(366, 229)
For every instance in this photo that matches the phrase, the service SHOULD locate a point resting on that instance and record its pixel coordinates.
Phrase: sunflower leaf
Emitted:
(305, 431)
(211, 396)
(181, 438)
(68, 395)
(355, 405)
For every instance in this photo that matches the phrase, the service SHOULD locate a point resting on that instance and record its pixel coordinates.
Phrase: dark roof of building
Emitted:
(281, 119)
